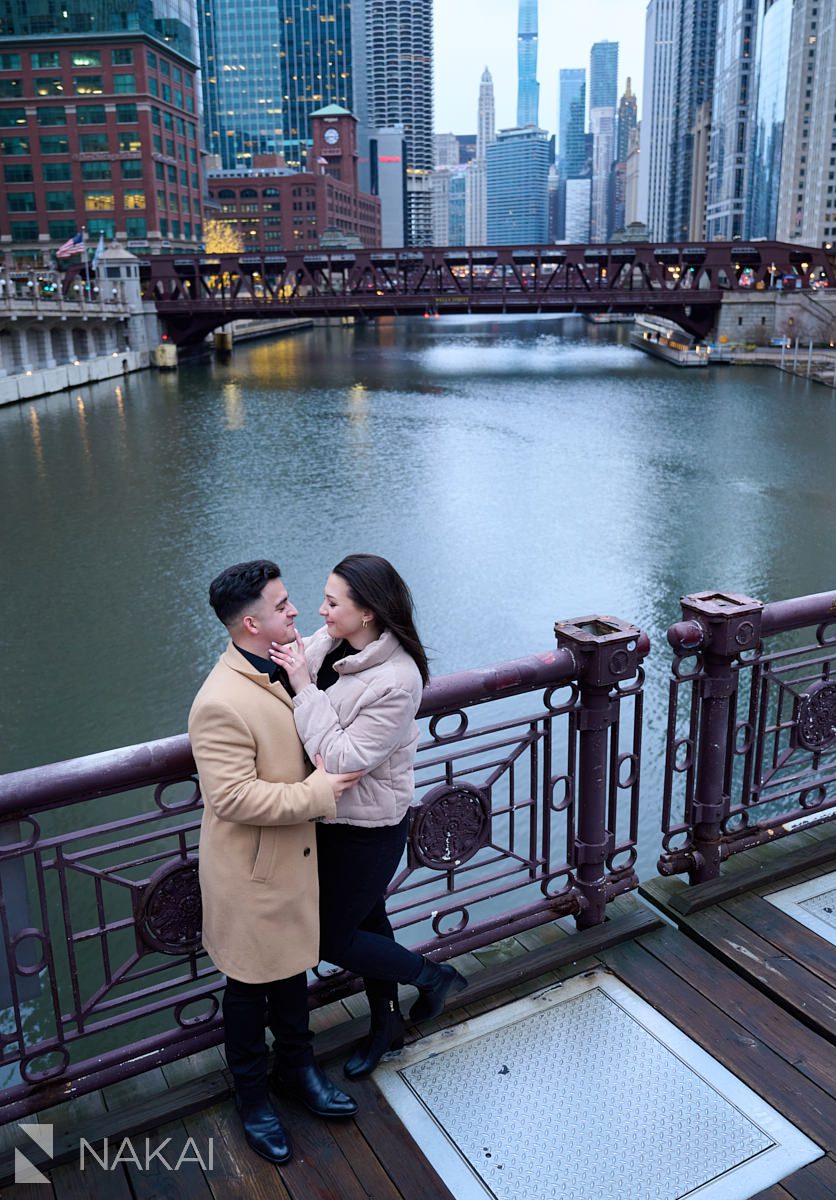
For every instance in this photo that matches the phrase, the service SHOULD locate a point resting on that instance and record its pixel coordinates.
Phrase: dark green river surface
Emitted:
(516, 472)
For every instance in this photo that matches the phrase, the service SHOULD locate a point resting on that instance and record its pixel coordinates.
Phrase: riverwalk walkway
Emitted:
(746, 982)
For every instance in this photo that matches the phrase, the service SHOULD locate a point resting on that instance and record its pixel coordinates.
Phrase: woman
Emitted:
(358, 684)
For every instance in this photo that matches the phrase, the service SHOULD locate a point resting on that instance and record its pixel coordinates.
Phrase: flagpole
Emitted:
(86, 261)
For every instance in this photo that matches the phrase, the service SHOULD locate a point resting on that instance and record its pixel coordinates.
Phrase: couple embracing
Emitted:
(305, 756)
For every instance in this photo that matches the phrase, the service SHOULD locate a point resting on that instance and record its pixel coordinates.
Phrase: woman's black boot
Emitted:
(435, 982)
(385, 1035)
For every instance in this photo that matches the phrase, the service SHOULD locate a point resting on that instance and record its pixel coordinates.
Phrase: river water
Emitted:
(517, 472)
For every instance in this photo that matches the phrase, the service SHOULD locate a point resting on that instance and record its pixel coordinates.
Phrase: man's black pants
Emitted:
(283, 1004)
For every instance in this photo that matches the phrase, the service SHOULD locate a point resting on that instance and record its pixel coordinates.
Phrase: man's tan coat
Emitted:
(257, 842)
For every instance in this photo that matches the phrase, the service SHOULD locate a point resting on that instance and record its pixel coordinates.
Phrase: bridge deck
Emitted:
(753, 991)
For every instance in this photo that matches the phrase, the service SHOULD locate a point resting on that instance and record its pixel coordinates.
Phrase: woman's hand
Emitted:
(292, 657)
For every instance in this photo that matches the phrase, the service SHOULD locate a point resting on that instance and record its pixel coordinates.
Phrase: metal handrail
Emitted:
(525, 813)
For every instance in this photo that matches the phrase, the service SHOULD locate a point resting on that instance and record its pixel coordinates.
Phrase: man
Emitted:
(258, 872)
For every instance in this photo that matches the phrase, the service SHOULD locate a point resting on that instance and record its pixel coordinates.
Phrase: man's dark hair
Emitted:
(236, 588)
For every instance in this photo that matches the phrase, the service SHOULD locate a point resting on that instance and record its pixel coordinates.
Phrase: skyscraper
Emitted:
(603, 87)
(659, 102)
(807, 204)
(697, 36)
(518, 186)
(528, 89)
(603, 75)
(396, 88)
(602, 128)
(315, 61)
(267, 65)
(571, 119)
(772, 70)
(486, 117)
(476, 195)
(731, 117)
(625, 125)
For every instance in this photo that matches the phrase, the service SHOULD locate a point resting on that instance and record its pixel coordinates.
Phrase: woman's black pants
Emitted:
(356, 864)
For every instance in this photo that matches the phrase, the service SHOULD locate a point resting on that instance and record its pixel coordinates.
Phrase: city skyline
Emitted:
(473, 34)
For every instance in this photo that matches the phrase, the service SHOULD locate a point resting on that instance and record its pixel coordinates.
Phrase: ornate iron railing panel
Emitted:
(527, 809)
(751, 742)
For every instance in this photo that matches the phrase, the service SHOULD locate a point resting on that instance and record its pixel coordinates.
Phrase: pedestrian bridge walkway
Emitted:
(652, 1040)
(704, 1067)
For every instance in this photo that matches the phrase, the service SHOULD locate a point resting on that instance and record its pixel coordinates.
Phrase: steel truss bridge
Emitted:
(685, 283)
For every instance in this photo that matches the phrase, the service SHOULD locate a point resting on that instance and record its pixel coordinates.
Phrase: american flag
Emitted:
(74, 246)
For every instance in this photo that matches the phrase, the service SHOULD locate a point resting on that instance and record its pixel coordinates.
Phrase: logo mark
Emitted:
(26, 1171)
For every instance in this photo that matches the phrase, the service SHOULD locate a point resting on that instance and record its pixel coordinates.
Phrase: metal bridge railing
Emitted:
(527, 791)
(751, 739)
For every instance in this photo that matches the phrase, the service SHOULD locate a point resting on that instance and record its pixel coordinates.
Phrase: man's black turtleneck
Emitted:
(267, 667)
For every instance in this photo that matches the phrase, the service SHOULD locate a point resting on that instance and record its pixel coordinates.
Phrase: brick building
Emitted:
(101, 131)
(271, 207)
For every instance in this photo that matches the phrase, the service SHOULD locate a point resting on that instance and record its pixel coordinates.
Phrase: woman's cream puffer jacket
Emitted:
(364, 722)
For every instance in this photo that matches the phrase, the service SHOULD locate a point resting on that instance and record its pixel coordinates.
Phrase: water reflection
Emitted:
(517, 472)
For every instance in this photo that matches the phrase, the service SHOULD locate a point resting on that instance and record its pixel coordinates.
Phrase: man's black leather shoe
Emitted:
(314, 1089)
(264, 1131)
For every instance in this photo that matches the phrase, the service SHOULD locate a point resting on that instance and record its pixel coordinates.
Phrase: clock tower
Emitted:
(334, 132)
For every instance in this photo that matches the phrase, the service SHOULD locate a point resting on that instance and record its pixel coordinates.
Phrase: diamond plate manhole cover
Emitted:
(812, 904)
(585, 1090)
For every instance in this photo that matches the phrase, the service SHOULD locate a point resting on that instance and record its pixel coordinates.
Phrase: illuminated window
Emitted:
(49, 87)
(86, 85)
(98, 201)
(15, 145)
(86, 58)
(9, 117)
(134, 200)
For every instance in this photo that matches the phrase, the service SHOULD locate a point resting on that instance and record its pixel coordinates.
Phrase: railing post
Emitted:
(606, 652)
(719, 626)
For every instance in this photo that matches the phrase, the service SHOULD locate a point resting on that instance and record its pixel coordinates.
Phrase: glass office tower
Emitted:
(267, 65)
(170, 21)
(571, 118)
(518, 187)
(528, 89)
(772, 66)
(731, 110)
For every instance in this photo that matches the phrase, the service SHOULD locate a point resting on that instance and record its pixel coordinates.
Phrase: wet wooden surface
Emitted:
(750, 985)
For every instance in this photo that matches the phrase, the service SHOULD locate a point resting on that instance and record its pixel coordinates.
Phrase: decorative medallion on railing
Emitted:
(169, 911)
(452, 824)
(815, 722)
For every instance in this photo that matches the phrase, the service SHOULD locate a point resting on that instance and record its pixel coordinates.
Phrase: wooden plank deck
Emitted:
(778, 955)
(776, 1035)
(371, 1155)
